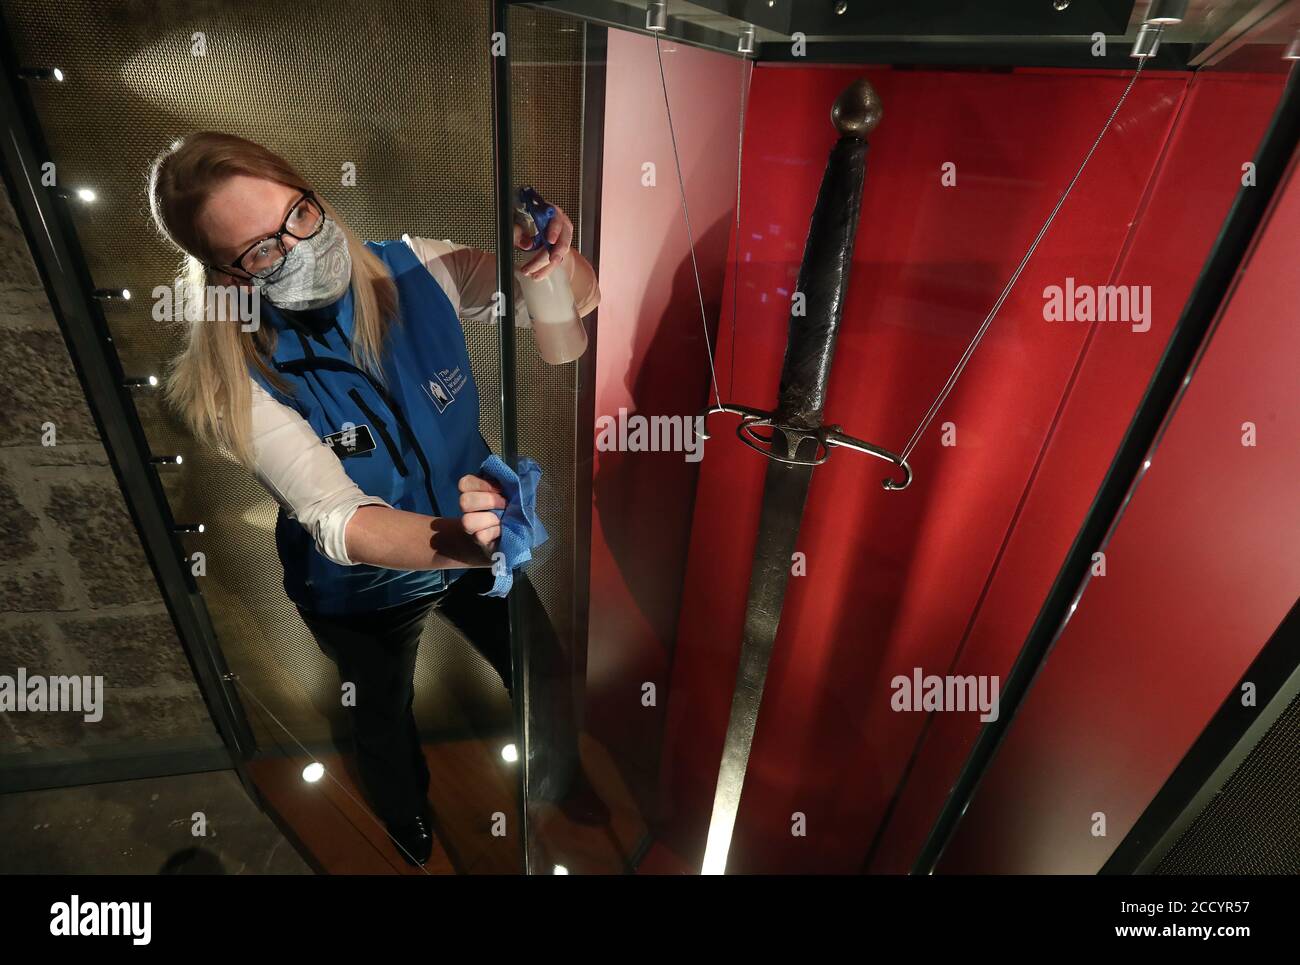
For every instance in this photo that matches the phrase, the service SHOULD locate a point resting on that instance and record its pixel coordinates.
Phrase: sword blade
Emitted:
(785, 492)
(801, 396)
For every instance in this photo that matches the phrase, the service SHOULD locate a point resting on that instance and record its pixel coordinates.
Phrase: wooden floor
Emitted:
(583, 849)
(659, 860)
(471, 786)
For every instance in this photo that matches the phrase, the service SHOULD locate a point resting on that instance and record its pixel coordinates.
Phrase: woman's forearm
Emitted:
(399, 540)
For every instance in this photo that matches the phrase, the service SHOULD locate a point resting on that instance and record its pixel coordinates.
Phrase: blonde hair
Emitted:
(207, 383)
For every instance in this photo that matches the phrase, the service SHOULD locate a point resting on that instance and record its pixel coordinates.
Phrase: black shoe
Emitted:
(413, 839)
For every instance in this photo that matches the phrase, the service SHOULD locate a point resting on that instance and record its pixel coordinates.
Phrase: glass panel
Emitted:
(398, 144)
(549, 81)
(1019, 184)
(1180, 601)
(621, 509)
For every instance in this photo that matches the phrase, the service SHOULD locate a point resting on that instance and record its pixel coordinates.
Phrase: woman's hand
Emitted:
(478, 497)
(559, 235)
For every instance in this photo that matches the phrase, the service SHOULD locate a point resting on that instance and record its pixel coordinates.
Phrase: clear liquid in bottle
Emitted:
(557, 327)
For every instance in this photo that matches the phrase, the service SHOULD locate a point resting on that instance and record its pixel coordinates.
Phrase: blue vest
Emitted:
(424, 425)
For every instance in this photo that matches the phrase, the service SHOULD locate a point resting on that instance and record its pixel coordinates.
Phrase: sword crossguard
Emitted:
(827, 437)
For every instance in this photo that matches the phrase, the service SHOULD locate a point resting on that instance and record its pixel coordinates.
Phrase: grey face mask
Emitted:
(316, 272)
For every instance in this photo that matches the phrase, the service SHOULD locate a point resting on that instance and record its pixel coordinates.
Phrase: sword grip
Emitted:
(827, 259)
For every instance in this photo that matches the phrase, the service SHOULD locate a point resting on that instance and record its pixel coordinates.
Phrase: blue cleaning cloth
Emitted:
(521, 530)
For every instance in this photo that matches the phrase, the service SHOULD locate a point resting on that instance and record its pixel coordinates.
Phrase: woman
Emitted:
(351, 399)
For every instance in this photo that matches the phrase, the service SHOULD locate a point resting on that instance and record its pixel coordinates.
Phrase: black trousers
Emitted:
(375, 651)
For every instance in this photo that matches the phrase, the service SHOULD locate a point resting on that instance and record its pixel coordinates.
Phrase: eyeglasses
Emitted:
(264, 259)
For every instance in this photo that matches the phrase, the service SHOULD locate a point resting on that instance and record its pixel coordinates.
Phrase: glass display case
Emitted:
(910, 411)
(897, 306)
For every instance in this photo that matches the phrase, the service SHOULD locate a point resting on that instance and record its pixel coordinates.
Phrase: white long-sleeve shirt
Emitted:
(302, 472)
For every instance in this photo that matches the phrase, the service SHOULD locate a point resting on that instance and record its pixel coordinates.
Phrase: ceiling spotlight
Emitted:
(1147, 42)
(41, 73)
(1166, 11)
(510, 753)
(113, 294)
(656, 15)
(165, 460)
(143, 382)
(561, 869)
(188, 528)
(313, 772)
(81, 194)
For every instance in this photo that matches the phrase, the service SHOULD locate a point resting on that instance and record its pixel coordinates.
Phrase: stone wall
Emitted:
(77, 595)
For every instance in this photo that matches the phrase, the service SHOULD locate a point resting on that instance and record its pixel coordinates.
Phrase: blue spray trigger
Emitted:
(534, 206)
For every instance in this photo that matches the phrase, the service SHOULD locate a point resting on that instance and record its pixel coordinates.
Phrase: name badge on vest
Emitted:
(351, 442)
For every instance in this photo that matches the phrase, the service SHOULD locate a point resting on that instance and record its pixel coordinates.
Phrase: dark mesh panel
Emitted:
(400, 89)
(1252, 826)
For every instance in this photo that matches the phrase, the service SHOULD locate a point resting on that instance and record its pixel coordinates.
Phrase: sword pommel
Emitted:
(857, 110)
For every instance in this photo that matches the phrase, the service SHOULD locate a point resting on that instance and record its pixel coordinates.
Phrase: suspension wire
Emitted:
(690, 236)
(365, 810)
(974, 343)
(735, 275)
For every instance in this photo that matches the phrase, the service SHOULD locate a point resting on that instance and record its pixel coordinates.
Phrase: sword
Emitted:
(794, 438)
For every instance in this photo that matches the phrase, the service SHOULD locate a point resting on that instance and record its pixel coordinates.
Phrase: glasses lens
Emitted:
(305, 219)
(263, 259)
(266, 258)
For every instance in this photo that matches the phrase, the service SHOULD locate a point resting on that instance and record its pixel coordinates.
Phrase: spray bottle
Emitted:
(557, 327)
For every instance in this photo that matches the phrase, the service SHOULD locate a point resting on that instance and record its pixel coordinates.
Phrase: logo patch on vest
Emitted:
(443, 387)
(351, 442)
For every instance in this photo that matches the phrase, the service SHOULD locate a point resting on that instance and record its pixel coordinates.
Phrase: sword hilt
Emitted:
(826, 437)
